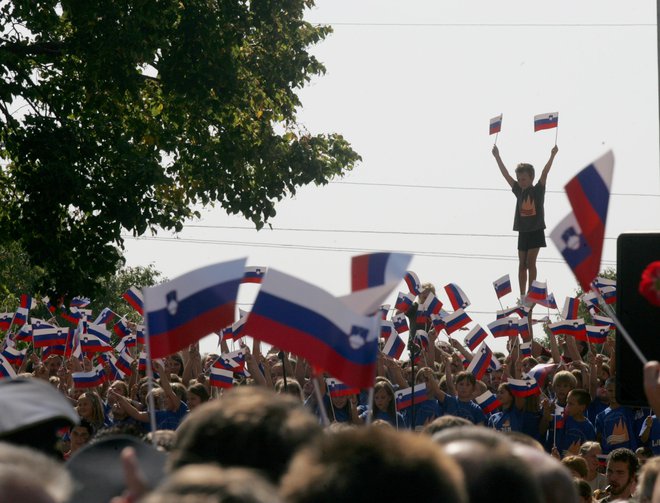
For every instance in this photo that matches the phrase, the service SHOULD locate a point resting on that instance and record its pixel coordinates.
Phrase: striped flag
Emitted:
(337, 388)
(546, 121)
(253, 274)
(456, 320)
(576, 328)
(488, 402)
(456, 296)
(538, 291)
(405, 397)
(394, 346)
(504, 327)
(597, 334)
(495, 125)
(134, 297)
(502, 286)
(480, 361)
(221, 377)
(6, 370)
(475, 337)
(414, 285)
(400, 323)
(89, 379)
(570, 310)
(404, 302)
(523, 387)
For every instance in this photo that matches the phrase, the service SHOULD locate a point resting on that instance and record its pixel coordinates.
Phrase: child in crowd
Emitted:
(384, 406)
(462, 404)
(615, 425)
(577, 429)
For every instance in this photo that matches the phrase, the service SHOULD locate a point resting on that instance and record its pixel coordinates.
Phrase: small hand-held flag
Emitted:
(134, 297)
(546, 121)
(502, 286)
(495, 126)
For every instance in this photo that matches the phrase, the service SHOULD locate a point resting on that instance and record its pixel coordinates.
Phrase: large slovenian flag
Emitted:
(546, 121)
(406, 397)
(502, 286)
(524, 387)
(572, 244)
(338, 388)
(377, 269)
(475, 337)
(394, 346)
(456, 296)
(570, 310)
(254, 274)
(495, 125)
(414, 285)
(302, 318)
(488, 402)
(589, 195)
(504, 327)
(134, 297)
(182, 311)
(480, 361)
(455, 321)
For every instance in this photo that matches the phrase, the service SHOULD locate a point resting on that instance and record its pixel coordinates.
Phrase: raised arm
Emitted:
(548, 165)
(509, 179)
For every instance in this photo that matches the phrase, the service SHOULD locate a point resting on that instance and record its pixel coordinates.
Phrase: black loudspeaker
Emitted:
(639, 317)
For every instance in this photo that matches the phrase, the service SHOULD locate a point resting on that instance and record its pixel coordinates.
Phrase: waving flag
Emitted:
(404, 302)
(238, 328)
(504, 327)
(579, 237)
(394, 346)
(538, 291)
(438, 321)
(548, 302)
(432, 304)
(104, 317)
(502, 286)
(124, 362)
(475, 337)
(14, 356)
(414, 285)
(376, 269)
(524, 387)
(576, 328)
(6, 370)
(400, 323)
(495, 125)
(456, 320)
(337, 388)
(302, 318)
(89, 379)
(609, 294)
(134, 297)
(480, 361)
(541, 372)
(384, 310)
(182, 311)
(121, 328)
(5, 320)
(234, 360)
(46, 301)
(488, 402)
(456, 296)
(421, 318)
(254, 274)
(44, 337)
(525, 349)
(386, 328)
(603, 321)
(422, 338)
(597, 334)
(546, 121)
(523, 328)
(20, 316)
(221, 378)
(79, 302)
(405, 397)
(570, 310)
(91, 343)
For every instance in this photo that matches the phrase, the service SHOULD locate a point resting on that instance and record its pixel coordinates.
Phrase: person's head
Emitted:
(384, 397)
(563, 382)
(494, 377)
(577, 465)
(465, 383)
(425, 290)
(174, 364)
(290, 386)
(504, 395)
(577, 402)
(528, 363)
(27, 475)
(648, 477)
(443, 422)
(197, 395)
(53, 364)
(249, 426)
(360, 464)
(525, 175)
(119, 387)
(622, 466)
(590, 451)
(90, 408)
(610, 388)
(643, 454)
(584, 490)
(80, 434)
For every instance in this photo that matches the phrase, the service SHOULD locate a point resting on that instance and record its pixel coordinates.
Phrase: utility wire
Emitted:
(490, 25)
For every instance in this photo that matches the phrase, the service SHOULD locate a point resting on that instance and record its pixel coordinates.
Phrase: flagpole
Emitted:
(556, 133)
(623, 331)
(150, 383)
(370, 402)
(319, 399)
(554, 437)
(496, 135)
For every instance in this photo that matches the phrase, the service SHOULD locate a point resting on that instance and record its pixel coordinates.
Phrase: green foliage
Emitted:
(120, 116)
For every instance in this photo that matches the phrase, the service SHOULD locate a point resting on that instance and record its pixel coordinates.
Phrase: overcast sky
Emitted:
(412, 85)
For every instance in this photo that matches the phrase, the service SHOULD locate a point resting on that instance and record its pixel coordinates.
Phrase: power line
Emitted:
(486, 189)
(473, 256)
(491, 25)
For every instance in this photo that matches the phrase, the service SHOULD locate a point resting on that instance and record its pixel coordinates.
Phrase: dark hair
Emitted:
(524, 167)
(198, 389)
(464, 375)
(583, 488)
(581, 395)
(627, 456)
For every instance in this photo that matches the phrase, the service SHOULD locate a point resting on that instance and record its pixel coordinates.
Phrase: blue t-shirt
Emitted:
(506, 420)
(399, 421)
(595, 407)
(168, 420)
(573, 435)
(425, 412)
(467, 410)
(615, 428)
(654, 436)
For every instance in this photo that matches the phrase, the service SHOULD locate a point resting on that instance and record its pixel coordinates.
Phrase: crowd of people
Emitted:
(280, 430)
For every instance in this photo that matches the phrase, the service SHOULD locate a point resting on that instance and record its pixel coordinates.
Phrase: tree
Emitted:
(121, 116)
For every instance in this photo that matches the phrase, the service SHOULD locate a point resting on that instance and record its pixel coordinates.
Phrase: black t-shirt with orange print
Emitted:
(529, 208)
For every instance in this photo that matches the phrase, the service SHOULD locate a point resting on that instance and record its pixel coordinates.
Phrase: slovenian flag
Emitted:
(254, 274)
(456, 296)
(609, 294)
(525, 349)
(455, 321)
(104, 317)
(546, 121)
(541, 372)
(221, 377)
(438, 321)
(14, 356)
(480, 361)
(134, 297)
(121, 328)
(597, 334)
(570, 310)
(603, 321)
(495, 125)
(89, 379)
(524, 387)
(45, 337)
(475, 337)
(394, 346)
(79, 302)
(414, 286)
(182, 311)
(90, 343)
(523, 328)
(5, 320)
(579, 237)
(238, 327)
(549, 302)
(488, 402)
(6, 370)
(502, 286)
(576, 328)
(432, 304)
(538, 291)
(504, 327)
(404, 302)
(124, 362)
(406, 397)
(337, 388)
(400, 323)
(302, 318)
(376, 269)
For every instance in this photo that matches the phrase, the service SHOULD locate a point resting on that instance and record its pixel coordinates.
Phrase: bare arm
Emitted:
(505, 173)
(175, 401)
(548, 165)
